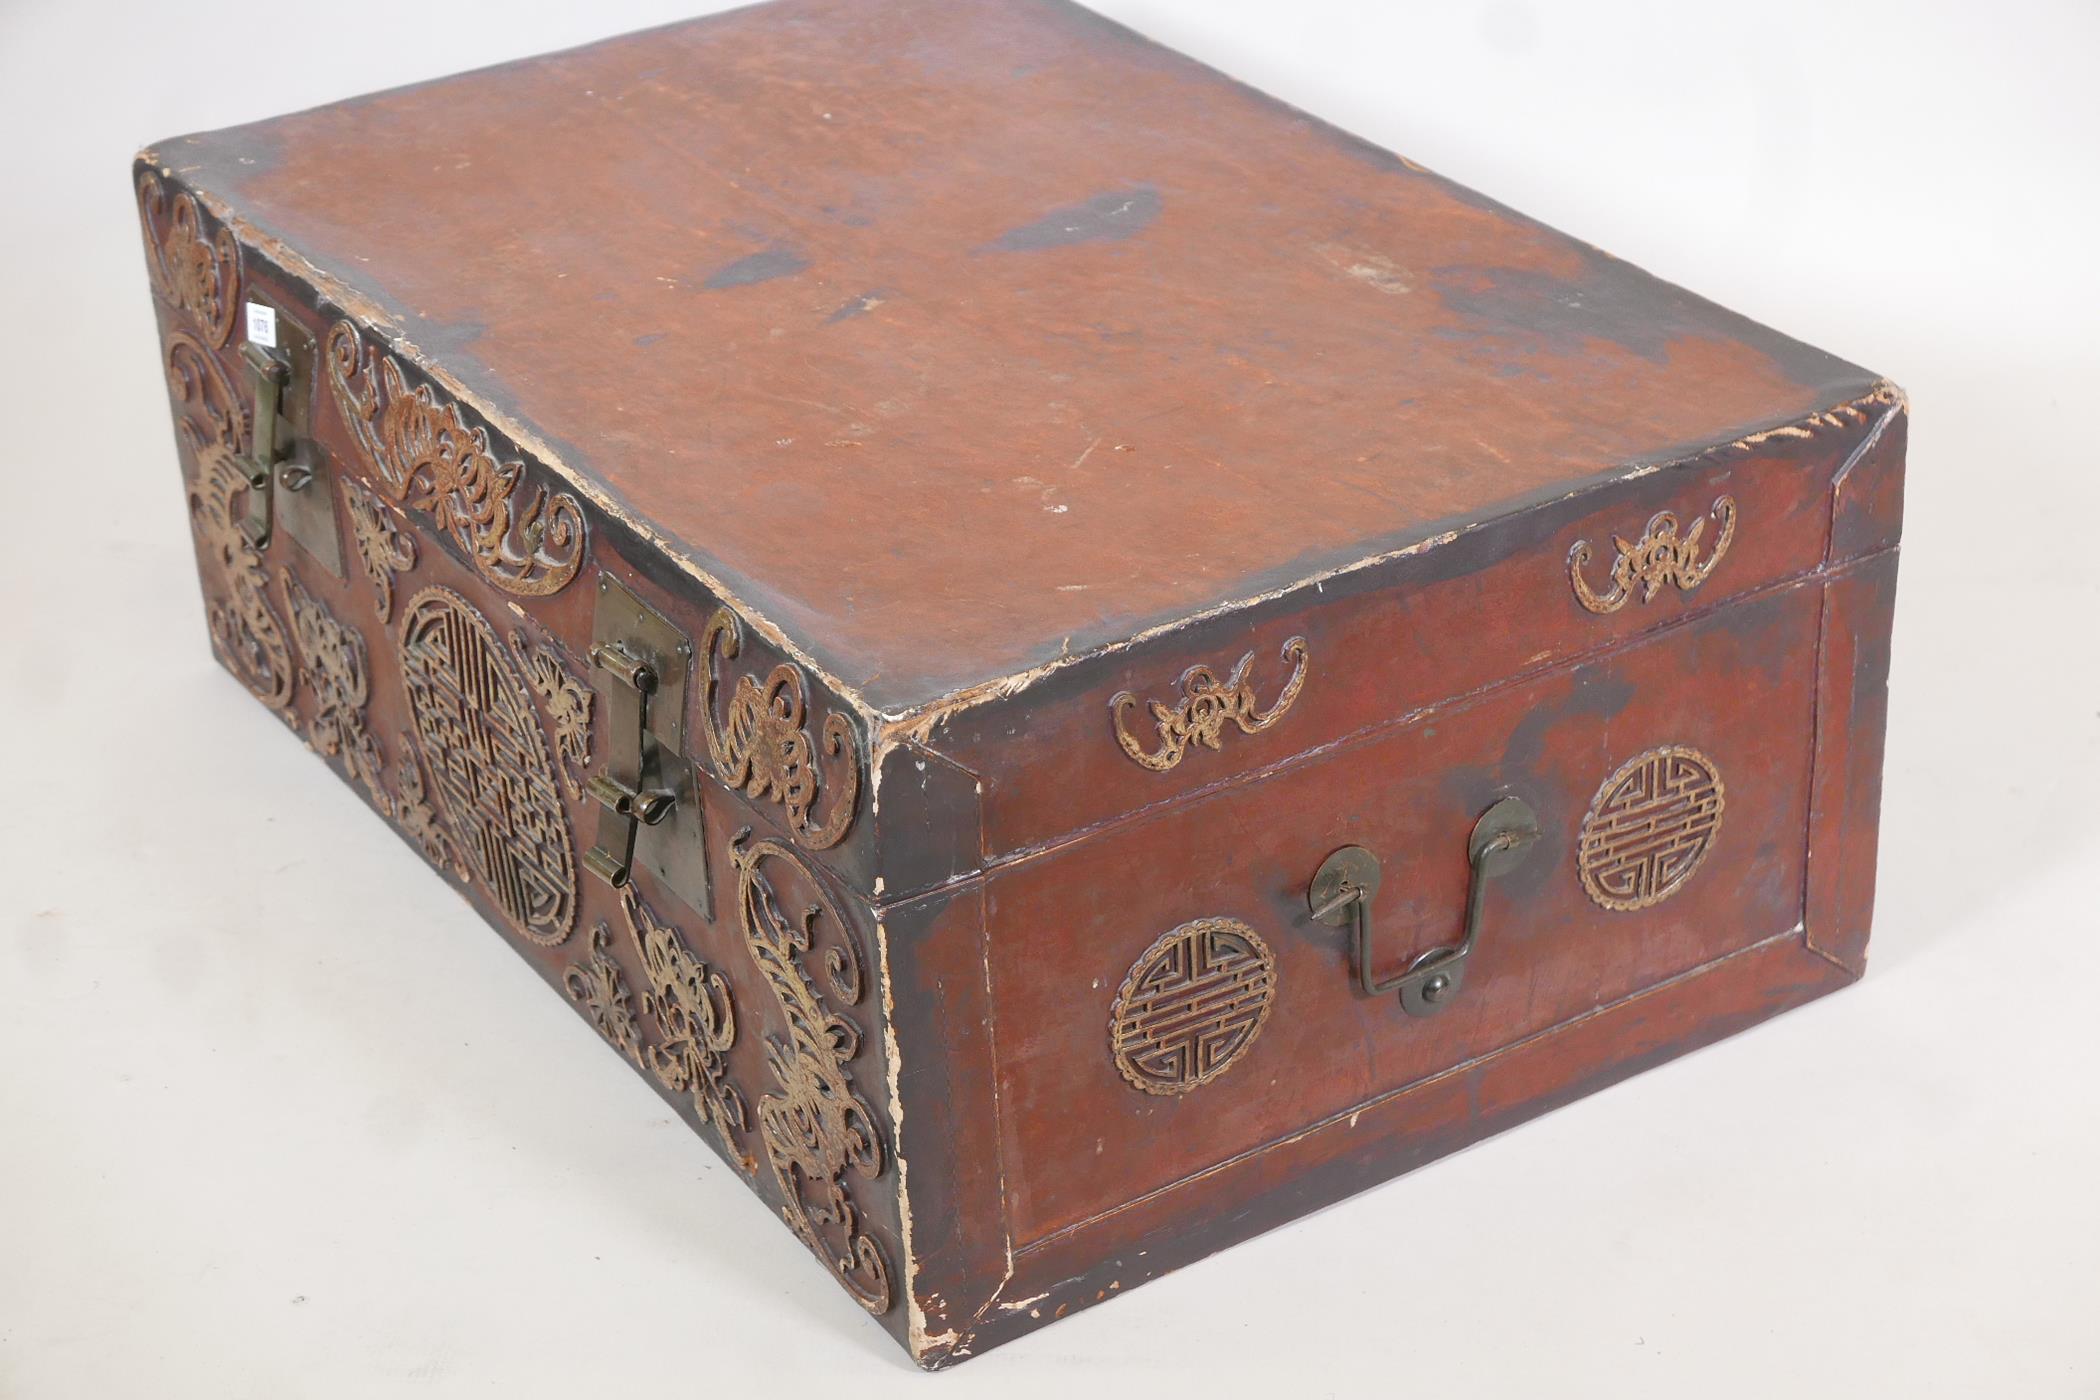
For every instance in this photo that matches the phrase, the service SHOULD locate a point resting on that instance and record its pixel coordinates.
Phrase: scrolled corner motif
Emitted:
(1662, 556)
(762, 745)
(1207, 706)
(818, 1127)
(198, 276)
(423, 452)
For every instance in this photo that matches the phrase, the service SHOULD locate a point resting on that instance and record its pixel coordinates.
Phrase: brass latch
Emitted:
(650, 806)
(289, 486)
(629, 804)
(269, 373)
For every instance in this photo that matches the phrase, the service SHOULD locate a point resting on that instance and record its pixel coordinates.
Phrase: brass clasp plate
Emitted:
(289, 484)
(651, 813)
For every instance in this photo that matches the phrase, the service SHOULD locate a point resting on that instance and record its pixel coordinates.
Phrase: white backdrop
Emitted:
(279, 1117)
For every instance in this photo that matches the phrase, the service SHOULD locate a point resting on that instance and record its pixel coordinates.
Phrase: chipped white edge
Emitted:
(921, 1343)
(890, 729)
(918, 723)
(929, 1348)
(1866, 445)
(1019, 1303)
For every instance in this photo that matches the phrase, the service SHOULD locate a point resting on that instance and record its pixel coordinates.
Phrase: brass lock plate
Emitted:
(622, 619)
(302, 500)
(646, 750)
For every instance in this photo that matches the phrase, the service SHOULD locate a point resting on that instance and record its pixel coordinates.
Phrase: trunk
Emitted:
(1071, 671)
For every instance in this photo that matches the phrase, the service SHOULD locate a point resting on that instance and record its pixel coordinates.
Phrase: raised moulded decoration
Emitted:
(383, 547)
(761, 745)
(487, 757)
(1649, 827)
(200, 277)
(691, 1006)
(423, 453)
(337, 674)
(1191, 1005)
(1207, 706)
(412, 810)
(567, 701)
(816, 1127)
(1662, 556)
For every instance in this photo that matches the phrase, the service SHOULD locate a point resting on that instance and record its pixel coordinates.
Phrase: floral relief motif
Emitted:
(420, 820)
(383, 547)
(599, 986)
(333, 666)
(423, 453)
(1207, 706)
(212, 429)
(762, 746)
(1661, 557)
(198, 276)
(817, 1127)
(691, 1006)
(568, 703)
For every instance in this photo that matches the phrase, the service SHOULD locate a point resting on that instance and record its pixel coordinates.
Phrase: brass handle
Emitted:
(1347, 881)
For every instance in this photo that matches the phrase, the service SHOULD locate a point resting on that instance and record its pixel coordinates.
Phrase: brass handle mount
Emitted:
(1348, 880)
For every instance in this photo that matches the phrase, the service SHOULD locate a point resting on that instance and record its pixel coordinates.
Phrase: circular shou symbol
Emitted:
(1649, 826)
(1192, 1004)
(482, 743)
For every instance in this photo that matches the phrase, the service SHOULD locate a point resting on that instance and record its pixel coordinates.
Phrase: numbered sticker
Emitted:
(262, 325)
